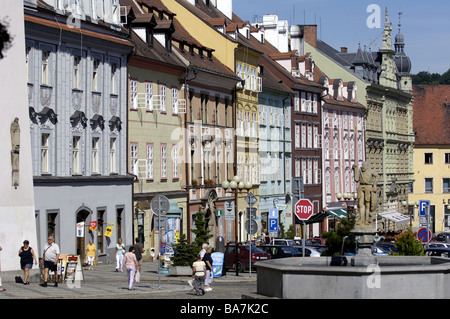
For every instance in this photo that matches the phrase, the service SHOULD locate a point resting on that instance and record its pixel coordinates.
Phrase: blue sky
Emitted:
(425, 25)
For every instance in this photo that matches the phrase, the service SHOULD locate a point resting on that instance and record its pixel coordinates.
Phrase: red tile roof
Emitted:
(431, 122)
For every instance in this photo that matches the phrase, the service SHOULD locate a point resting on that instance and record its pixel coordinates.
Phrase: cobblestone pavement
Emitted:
(104, 283)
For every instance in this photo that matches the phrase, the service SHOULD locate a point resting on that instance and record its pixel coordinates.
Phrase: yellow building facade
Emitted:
(220, 32)
(432, 177)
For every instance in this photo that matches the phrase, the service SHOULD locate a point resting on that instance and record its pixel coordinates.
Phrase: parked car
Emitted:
(438, 252)
(243, 257)
(280, 251)
(309, 251)
(315, 241)
(378, 251)
(282, 242)
(387, 246)
(438, 244)
(444, 237)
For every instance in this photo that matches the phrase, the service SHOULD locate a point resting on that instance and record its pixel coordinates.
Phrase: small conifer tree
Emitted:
(407, 245)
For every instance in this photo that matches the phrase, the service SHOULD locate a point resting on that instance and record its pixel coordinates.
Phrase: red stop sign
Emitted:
(304, 209)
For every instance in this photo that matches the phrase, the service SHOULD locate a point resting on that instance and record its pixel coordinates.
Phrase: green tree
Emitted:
(335, 238)
(407, 245)
(290, 234)
(185, 253)
(201, 230)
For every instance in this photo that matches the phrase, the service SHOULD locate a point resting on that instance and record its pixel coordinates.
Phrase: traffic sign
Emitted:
(424, 235)
(229, 210)
(304, 209)
(160, 204)
(273, 213)
(273, 224)
(423, 207)
(251, 226)
(251, 199)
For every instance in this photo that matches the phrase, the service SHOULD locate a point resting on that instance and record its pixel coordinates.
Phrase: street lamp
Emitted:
(411, 205)
(236, 184)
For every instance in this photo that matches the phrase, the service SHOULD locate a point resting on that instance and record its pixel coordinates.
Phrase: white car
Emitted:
(309, 251)
(282, 242)
(439, 244)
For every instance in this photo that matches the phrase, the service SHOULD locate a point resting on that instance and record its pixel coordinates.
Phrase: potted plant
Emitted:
(209, 182)
(195, 183)
(183, 258)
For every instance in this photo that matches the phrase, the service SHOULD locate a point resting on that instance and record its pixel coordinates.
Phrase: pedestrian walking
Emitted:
(1, 287)
(131, 262)
(203, 251)
(207, 258)
(138, 250)
(27, 257)
(198, 275)
(50, 260)
(91, 253)
(119, 254)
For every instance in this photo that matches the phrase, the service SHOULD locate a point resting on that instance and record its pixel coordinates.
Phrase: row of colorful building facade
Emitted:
(130, 99)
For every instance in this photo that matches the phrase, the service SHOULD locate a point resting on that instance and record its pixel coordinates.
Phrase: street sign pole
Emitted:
(304, 239)
(428, 225)
(250, 241)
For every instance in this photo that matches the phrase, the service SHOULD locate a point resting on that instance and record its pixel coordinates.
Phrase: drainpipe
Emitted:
(186, 162)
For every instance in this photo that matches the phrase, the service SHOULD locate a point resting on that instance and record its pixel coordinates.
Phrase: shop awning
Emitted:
(395, 217)
(338, 212)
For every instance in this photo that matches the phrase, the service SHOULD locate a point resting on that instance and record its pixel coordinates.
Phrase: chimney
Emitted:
(344, 50)
(311, 34)
(297, 39)
(226, 7)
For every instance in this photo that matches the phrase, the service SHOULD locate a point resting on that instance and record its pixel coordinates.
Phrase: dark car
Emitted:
(445, 237)
(280, 251)
(438, 252)
(243, 257)
(389, 247)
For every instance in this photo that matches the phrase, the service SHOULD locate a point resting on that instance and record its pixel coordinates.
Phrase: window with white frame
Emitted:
(76, 71)
(134, 159)
(305, 171)
(297, 102)
(149, 96)
(317, 172)
(27, 61)
(298, 168)
(163, 161)
(310, 137)
(175, 164)
(114, 88)
(112, 155)
(297, 135)
(45, 67)
(75, 155)
(174, 101)
(149, 162)
(45, 139)
(95, 75)
(133, 95)
(310, 171)
(303, 137)
(162, 92)
(303, 102)
(95, 154)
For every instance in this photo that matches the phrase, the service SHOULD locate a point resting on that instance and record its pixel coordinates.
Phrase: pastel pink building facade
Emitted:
(343, 138)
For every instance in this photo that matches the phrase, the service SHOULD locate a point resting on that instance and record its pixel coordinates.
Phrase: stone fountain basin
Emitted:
(395, 277)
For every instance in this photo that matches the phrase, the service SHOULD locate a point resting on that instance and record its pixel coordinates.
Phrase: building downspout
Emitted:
(186, 162)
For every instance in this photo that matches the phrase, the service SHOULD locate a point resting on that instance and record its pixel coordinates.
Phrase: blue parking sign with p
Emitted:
(423, 207)
(273, 220)
(273, 224)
